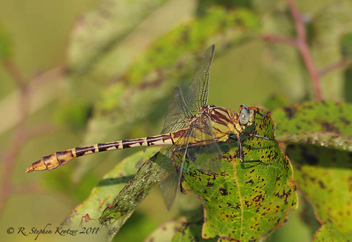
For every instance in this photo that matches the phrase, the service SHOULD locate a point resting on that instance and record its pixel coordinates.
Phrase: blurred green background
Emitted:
(103, 70)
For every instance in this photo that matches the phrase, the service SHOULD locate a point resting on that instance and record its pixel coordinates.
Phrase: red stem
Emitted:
(312, 70)
(304, 49)
(332, 67)
(300, 29)
(301, 44)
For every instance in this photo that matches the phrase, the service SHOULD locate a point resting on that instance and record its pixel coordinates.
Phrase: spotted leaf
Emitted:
(325, 177)
(244, 201)
(314, 117)
(329, 232)
(323, 169)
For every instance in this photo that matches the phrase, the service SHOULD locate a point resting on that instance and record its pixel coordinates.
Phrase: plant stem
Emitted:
(300, 43)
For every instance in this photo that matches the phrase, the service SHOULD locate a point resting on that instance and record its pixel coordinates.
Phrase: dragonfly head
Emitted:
(246, 116)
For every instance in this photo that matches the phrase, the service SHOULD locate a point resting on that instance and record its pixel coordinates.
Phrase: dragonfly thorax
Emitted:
(219, 122)
(222, 122)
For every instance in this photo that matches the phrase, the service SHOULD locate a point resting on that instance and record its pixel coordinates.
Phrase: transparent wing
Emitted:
(181, 109)
(206, 155)
(195, 147)
(169, 180)
(170, 176)
(198, 90)
(177, 114)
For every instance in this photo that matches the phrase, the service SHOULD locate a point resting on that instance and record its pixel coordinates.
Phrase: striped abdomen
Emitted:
(60, 158)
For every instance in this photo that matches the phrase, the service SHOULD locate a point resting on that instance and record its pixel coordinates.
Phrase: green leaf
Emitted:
(329, 232)
(325, 177)
(321, 123)
(244, 201)
(324, 168)
(326, 139)
(102, 196)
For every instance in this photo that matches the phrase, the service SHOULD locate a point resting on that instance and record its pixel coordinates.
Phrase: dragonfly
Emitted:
(189, 122)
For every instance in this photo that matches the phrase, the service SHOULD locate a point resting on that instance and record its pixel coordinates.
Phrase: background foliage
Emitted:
(82, 72)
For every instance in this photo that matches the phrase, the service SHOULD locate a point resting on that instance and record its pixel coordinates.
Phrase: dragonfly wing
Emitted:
(177, 114)
(195, 147)
(206, 155)
(169, 179)
(197, 93)
(171, 172)
(181, 109)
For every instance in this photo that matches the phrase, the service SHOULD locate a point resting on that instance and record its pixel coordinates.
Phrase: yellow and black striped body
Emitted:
(60, 158)
(222, 122)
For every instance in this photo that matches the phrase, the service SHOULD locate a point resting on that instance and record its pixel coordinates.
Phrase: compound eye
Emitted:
(244, 117)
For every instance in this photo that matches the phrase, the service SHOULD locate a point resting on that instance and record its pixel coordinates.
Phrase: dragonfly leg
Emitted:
(240, 149)
(257, 112)
(254, 135)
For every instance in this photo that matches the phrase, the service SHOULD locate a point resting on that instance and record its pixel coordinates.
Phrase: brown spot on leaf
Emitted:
(321, 184)
(345, 121)
(223, 191)
(290, 111)
(327, 126)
